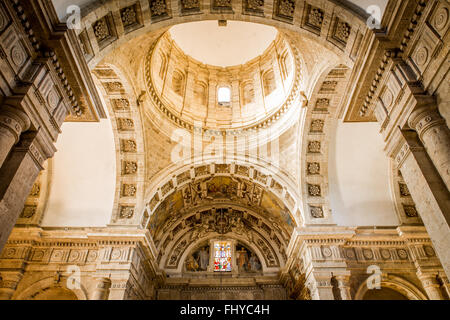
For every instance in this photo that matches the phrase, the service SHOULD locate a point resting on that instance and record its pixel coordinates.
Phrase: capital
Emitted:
(15, 120)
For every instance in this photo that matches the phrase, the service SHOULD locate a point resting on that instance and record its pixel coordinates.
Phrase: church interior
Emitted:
(224, 149)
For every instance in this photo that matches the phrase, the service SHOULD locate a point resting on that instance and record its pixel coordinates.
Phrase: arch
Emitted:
(324, 106)
(196, 243)
(395, 283)
(299, 20)
(47, 283)
(260, 173)
(122, 104)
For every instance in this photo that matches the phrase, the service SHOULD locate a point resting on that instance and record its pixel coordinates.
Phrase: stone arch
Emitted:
(48, 283)
(122, 104)
(395, 283)
(262, 174)
(337, 26)
(324, 106)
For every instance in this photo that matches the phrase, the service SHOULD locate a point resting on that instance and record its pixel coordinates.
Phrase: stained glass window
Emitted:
(222, 256)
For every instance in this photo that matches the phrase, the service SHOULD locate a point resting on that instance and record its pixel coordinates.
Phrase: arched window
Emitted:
(224, 96)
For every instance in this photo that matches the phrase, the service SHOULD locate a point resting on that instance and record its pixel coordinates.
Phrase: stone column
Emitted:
(101, 291)
(12, 123)
(319, 284)
(16, 179)
(118, 290)
(446, 283)
(428, 191)
(431, 285)
(8, 284)
(344, 286)
(435, 136)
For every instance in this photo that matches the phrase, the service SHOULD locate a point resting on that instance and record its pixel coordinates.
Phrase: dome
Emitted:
(251, 95)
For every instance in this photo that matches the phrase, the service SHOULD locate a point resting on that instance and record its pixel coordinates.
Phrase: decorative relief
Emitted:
(262, 178)
(268, 255)
(404, 192)
(328, 87)
(313, 168)
(402, 254)
(120, 105)
(129, 190)
(317, 126)
(314, 190)
(18, 55)
(440, 18)
(113, 87)
(222, 168)
(126, 212)
(368, 254)
(154, 201)
(421, 56)
(35, 190)
(28, 211)
(222, 5)
(128, 145)
(385, 254)
(158, 8)
(350, 253)
(322, 104)
(242, 170)
(190, 5)
(125, 124)
(316, 211)
(53, 99)
(129, 17)
(254, 6)
(284, 9)
(101, 29)
(314, 146)
(202, 170)
(410, 210)
(176, 255)
(183, 177)
(340, 33)
(104, 31)
(429, 251)
(166, 187)
(129, 167)
(313, 18)
(326, 251)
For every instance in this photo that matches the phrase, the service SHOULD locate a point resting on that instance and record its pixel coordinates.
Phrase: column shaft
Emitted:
(435, 136)
(429, 193)
(16, 179)
(101, 291)
(431, 286)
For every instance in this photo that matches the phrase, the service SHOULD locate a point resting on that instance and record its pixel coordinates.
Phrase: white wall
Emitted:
(359, 177)
(84, 176)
